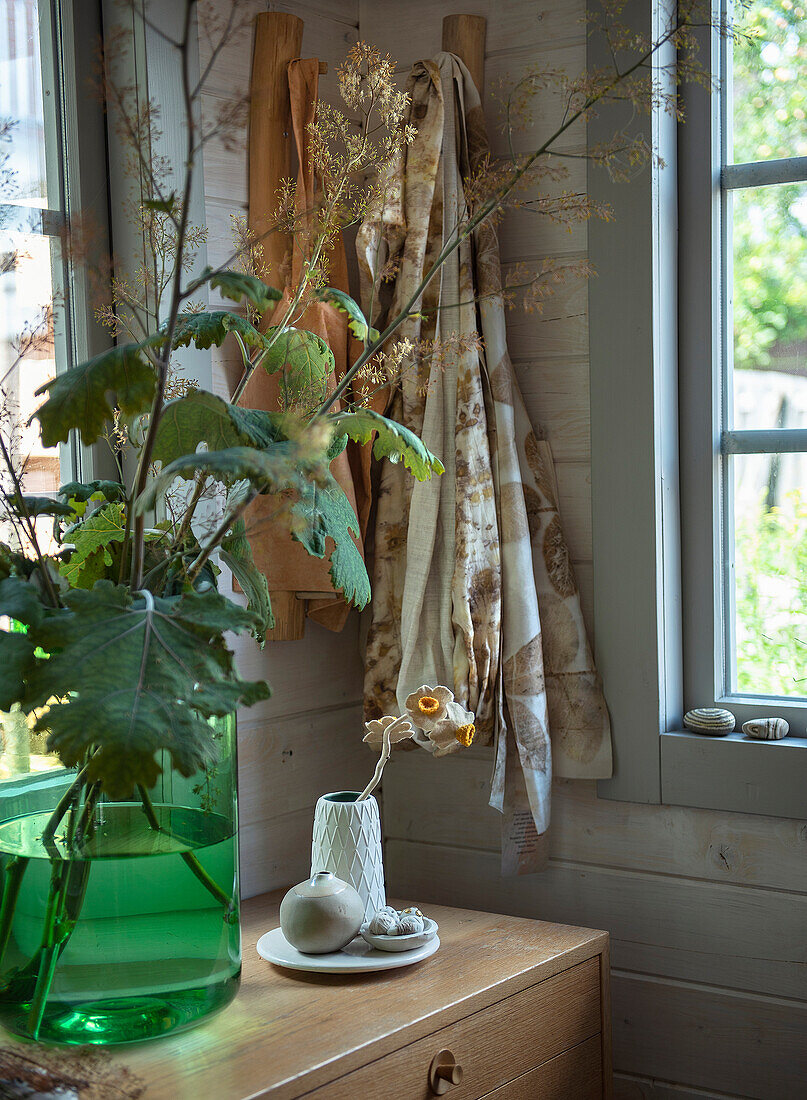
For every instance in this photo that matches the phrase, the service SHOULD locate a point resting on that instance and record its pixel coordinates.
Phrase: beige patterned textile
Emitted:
(472, 583)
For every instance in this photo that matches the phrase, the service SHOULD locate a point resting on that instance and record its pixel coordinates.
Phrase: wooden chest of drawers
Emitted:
(510, 1009)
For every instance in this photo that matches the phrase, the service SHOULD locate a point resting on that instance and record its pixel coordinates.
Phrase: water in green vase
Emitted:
(128, 933)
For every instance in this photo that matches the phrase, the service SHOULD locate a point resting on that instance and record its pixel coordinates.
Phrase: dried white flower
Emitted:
(398, 729)
(455, 731)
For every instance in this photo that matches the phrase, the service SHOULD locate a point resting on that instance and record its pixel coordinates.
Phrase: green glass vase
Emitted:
(124, 923)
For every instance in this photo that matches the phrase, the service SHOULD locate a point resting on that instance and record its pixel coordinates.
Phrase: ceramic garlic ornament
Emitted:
(409, 924)
(383, 923)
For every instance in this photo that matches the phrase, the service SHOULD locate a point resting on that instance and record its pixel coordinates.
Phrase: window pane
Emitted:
(22, 100)
(770, 574)
(769, 240)
(769, 71)
(26, 256)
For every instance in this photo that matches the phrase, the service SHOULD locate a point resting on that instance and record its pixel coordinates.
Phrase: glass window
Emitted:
(33, 285)
(764, 429)
(769, 93)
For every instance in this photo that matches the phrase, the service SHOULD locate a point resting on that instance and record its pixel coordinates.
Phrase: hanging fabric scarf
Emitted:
(472, 583)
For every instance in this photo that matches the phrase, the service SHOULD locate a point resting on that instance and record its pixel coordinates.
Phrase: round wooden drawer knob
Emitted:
(444, 1072)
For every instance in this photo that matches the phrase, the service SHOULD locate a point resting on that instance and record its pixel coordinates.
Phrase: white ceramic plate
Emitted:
(402, 943)
(358, 957)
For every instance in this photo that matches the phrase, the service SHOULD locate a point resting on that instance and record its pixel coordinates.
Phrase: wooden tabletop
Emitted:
(286, 1031)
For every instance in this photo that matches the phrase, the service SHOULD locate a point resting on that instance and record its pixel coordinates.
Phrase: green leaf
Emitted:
(306, 363)
(162, 206)
(269, 471)
(91, 540)
(202, 417)
(393, 441)
(84, 571)
(38, 506)
(16, 659)
(19, 599)
(119, 771)
(77, 398)
(6, 560)
(135, 676)
(82, 491)
(357, 323)
(236, 553)
(328, 514)
(338, 444)
(237, 286)
(205, 329)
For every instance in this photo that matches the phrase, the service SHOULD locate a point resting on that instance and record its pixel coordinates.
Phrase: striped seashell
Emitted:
(710, 720)
(766, 729)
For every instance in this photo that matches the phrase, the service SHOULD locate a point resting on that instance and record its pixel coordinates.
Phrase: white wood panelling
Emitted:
(544, 236)
(560, 328)
(727, 1042)
(324, 671)
(276, 851)
(409, 32)
(296, 750)
(658, 924)
(330, 30)
(574, 497)
(631, 1086)
(425, 803)
(556, 391)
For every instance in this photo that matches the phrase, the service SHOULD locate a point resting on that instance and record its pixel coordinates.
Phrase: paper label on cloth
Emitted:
(524, 850)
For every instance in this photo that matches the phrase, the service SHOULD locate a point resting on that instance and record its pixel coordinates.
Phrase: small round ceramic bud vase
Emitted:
(347, 842)
(321, 915)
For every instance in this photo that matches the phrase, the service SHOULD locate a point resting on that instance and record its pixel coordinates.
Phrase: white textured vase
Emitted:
(347, 841)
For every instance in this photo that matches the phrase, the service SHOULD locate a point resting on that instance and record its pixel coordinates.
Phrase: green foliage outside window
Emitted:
(771, 594)
(769, 101)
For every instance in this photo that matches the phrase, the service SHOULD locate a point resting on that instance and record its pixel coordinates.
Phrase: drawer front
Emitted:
(574, 1075)
(493, 1046)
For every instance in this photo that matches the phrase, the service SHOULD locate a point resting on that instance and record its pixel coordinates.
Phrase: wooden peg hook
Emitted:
(464, 35)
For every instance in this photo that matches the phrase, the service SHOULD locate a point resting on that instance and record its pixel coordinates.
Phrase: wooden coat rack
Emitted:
(465, 35)
(279, 41)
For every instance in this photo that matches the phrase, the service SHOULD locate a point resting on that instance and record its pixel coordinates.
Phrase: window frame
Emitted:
(656, 431)
(79, 31)
(707, 678)
(76, 160)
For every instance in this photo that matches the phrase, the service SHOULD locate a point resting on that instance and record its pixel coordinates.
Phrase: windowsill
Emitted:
(735, 773)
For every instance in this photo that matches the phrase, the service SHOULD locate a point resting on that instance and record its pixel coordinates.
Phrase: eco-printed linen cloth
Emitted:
(436, 571)
(469, 565)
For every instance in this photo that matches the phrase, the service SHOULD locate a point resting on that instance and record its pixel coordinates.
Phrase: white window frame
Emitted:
(654, 338)
(70, 31)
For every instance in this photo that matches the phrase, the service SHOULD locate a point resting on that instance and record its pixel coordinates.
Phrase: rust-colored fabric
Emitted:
(286, 564)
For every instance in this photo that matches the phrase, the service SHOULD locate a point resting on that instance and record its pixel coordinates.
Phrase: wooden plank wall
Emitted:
(707, 911)
(306, 739)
